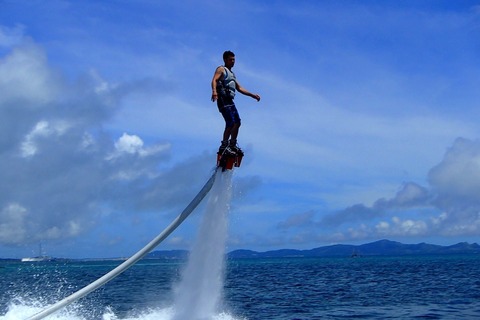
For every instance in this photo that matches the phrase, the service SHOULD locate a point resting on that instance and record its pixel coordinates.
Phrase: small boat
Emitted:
(38, 258)
(355, 254)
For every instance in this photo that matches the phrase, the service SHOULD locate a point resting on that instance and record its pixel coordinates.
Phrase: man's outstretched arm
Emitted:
(244, 91)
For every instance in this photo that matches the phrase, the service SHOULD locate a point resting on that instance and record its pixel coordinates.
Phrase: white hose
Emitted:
(133, 259)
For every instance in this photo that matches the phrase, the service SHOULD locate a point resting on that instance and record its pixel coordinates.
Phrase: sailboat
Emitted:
(38, 258)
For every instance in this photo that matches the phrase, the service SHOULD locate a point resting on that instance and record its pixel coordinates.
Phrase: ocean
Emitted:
(419, 287)
(209, 287)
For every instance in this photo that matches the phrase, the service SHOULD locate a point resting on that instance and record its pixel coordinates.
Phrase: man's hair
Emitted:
(228, 54)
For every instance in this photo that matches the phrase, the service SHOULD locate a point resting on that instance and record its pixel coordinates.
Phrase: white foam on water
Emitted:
(20, 309)
(18, 312)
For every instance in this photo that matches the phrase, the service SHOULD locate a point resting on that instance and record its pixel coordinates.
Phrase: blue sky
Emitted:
(367, 128)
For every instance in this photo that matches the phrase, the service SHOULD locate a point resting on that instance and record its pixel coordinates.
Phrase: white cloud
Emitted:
(42, 129)
(463, 228)
(26, 78)
(13, 220)
(133, 144)
(129, 144)
(64, 170)
(383, 228)
(409, 227)
(458, 175)
(450, 206)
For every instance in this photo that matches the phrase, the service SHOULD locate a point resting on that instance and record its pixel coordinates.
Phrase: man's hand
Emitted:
(214, 96)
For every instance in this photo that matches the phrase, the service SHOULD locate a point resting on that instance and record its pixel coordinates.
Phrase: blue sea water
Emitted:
(412, 287)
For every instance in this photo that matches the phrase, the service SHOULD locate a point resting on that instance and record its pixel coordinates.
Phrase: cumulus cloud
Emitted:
(449, 206)
(12, 223)
(411, 195)
(457, 177)
(399, 227)
(43, 129)
(455, 183)
(61, 171)
(133, 144)
(26, 78)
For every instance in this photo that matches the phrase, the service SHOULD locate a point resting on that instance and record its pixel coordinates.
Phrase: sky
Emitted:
(366, 129)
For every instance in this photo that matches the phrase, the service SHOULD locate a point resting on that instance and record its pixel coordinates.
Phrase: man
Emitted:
(224, 85)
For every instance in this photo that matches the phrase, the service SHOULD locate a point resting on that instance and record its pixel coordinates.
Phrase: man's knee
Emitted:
(232, 125)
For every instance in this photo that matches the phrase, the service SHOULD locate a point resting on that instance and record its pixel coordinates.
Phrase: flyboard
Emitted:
(227, 160)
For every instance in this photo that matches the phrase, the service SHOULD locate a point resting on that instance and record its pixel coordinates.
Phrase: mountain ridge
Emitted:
(377, 248)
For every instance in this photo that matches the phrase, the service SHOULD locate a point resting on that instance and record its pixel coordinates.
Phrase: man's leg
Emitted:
(234, 132)
(232, 125)
(224, 145)
(230, 137)
(227, 132)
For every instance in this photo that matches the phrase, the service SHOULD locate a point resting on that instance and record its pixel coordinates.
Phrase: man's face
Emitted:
(230, 62)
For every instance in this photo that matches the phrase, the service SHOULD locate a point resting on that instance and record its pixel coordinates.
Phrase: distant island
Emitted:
(377, 248)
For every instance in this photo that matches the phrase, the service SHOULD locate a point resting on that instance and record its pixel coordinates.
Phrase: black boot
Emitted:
(226, 149)
(235, 148)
